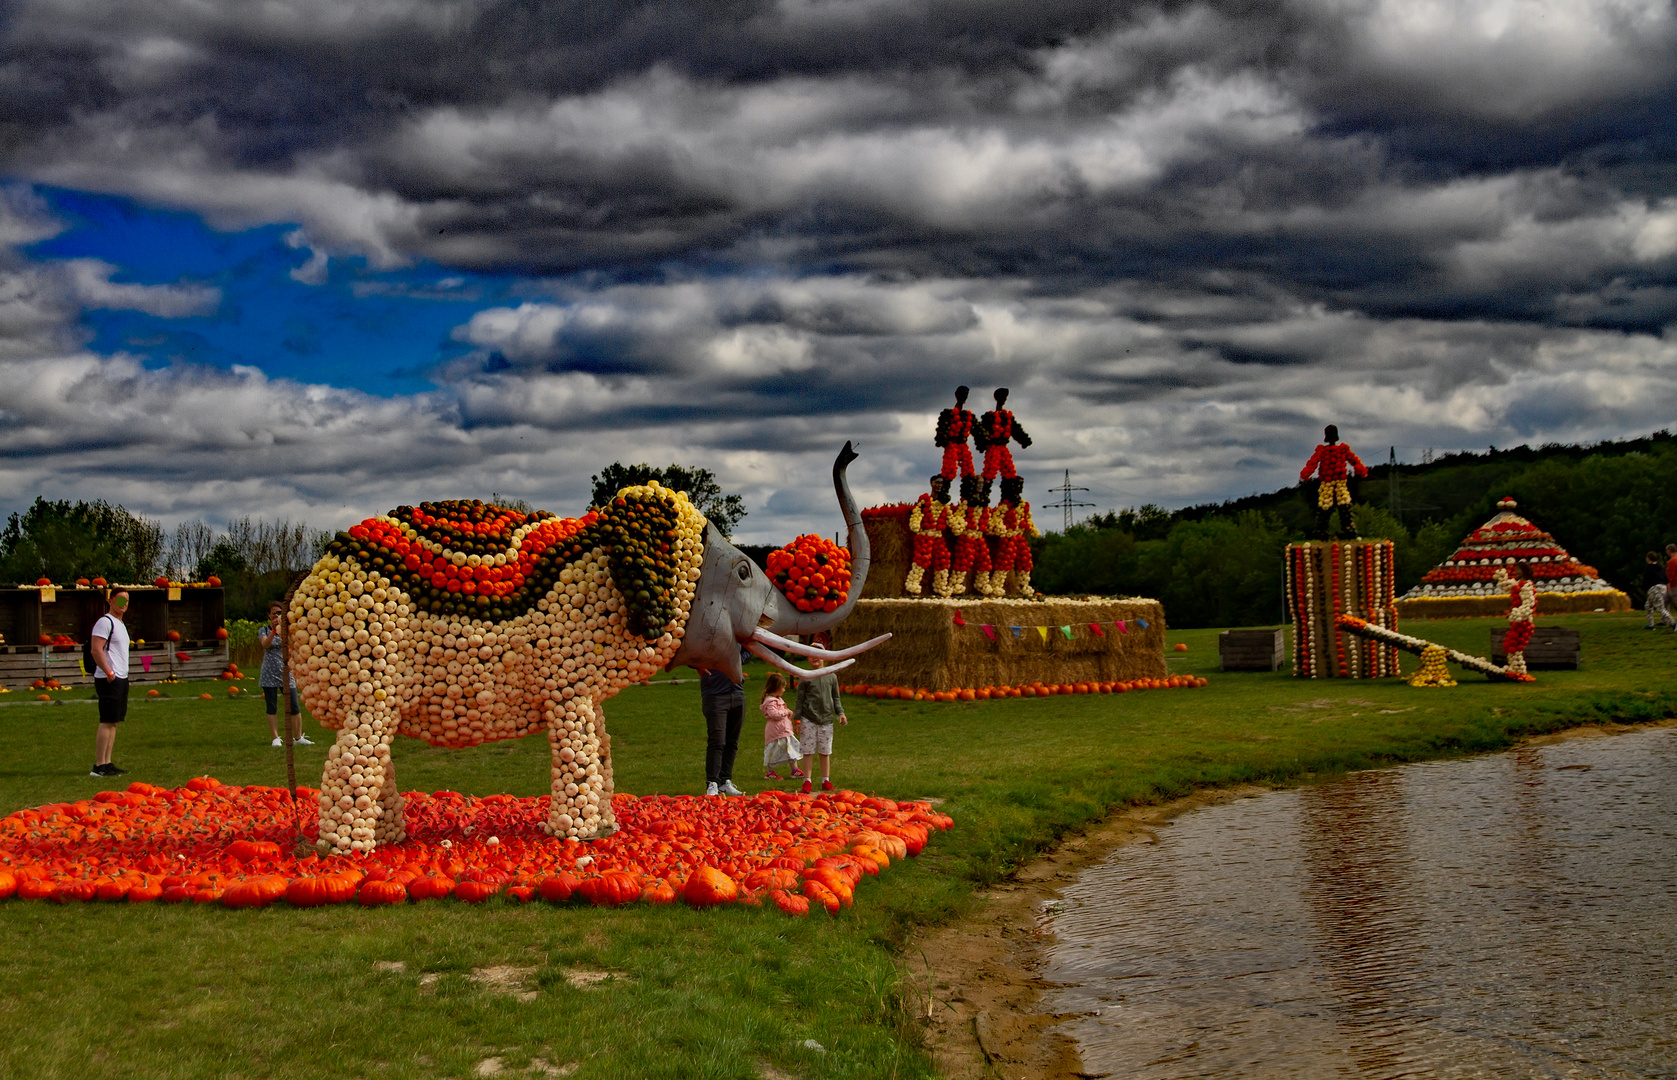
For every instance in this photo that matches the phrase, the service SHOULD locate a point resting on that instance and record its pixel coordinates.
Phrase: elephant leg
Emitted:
(581, 803)
(360, 806)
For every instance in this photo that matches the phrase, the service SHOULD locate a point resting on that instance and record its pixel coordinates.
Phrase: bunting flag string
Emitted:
(1067, 631)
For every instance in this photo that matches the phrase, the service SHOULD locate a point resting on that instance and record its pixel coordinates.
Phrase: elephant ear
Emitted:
(639, 532)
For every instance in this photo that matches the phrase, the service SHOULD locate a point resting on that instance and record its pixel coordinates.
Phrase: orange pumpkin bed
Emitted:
(211, 843)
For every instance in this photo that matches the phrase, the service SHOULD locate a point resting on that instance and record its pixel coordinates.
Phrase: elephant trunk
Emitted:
(788, 619)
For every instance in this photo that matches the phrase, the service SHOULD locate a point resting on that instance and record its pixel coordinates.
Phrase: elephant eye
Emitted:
(745, 572)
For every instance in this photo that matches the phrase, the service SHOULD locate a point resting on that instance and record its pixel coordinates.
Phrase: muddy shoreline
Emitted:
(975, 982)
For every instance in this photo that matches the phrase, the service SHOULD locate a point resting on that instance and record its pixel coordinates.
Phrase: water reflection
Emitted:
(1506, 916)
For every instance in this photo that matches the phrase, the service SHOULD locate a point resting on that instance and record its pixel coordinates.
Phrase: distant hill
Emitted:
(1219, 564)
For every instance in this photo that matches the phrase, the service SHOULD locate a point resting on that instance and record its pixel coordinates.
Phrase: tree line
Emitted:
(62, 541)
(1608, 504)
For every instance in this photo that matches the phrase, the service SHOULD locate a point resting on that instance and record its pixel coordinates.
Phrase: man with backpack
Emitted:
(107, 648)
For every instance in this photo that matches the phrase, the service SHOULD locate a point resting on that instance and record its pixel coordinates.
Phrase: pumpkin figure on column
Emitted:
(928, 521)
(1331, 462)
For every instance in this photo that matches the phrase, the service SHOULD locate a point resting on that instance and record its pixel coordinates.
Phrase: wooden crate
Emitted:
(19, 666)
(1553, 648)
(1251, 650)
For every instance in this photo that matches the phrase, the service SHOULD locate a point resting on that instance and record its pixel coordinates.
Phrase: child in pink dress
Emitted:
(780, 746)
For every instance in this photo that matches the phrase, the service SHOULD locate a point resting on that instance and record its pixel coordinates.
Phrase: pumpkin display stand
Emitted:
(1465, 585)
(969, 642)
(1325, 580)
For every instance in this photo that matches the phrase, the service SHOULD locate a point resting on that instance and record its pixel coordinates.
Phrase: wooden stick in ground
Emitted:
(285, 698)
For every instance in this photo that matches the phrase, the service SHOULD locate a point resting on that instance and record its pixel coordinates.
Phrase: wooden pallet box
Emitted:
(1553, 648)
(1251, 650)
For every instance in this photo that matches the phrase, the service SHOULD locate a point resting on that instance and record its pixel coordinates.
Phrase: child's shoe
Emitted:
(806, 788)
(826, 784)
(771, 775)
(797, 773)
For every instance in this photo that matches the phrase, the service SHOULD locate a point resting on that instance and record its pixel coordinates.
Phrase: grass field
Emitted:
(159, 991)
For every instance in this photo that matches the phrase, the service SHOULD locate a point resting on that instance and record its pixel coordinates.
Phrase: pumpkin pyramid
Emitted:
(1563, 583)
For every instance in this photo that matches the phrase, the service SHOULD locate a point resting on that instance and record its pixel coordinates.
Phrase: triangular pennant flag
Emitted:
(1017, 630)
(958, 620)
(1043, 630)
(1142, 623)
(1066, 630)
(989, 631)
(1096, 627)
(1122, 629)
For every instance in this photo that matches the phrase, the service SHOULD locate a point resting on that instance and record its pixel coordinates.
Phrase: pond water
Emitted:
(1511, 915)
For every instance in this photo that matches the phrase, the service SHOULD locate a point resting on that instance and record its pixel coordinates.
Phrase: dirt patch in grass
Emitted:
(583, 979)
(507, 979)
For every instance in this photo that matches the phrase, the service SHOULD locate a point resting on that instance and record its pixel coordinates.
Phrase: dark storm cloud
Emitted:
(1187, 232)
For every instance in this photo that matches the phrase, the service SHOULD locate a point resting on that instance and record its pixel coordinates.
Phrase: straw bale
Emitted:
(890, 554)
(1495, 605)
(930, 652)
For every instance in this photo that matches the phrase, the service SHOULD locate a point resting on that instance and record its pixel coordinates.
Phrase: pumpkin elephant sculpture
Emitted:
(461, 623)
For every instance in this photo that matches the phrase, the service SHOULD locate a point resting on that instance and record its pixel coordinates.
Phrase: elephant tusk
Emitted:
(762, 652)
(775, 641)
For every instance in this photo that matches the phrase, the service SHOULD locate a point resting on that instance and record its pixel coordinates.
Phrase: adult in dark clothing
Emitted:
(1658, 602)
(722, 700)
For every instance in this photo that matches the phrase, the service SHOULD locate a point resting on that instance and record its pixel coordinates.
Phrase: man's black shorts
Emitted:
(113, 699)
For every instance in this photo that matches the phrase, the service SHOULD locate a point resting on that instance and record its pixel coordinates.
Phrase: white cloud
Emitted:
(92, 287)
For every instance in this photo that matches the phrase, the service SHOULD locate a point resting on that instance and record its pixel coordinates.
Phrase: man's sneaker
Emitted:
(806, 788)
(303, 740)
(278, 741)
(115, 770)
(98, 770)
(727, 788)
(710, 789)
(826, 784)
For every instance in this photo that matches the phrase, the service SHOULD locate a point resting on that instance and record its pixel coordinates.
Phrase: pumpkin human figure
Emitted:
(1331, 462)
(927, 521)
(970, 523)
(1011, 524)
(1522, 597)
(953, 427)
(995, 429)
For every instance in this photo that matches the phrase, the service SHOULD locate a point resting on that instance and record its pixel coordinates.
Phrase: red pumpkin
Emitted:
(791, 904)
(161, 582)
(558, 888)
(213, 582)
(99, 583)
(173, 635)
(475, 892)
(221, 633)
(708, 886)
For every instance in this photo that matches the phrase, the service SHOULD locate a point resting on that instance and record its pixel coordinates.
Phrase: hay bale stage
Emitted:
(929, 652)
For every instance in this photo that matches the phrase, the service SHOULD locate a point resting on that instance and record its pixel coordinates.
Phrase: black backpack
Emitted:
(87, 647)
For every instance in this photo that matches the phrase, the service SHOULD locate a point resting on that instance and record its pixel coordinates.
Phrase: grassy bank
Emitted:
(96, 991)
